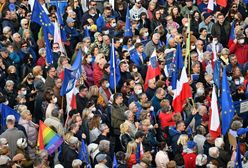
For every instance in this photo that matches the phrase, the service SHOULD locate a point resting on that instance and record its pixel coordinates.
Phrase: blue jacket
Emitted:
(100, 22)
(136, 59)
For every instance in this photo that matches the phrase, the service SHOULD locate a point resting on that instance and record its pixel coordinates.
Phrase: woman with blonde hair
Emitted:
(131, 154)
(30, 128)
(182, 143)
(125, 137)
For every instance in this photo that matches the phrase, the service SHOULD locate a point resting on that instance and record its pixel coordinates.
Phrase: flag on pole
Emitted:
(57, 37)
(5, 111)
(232, 35)
(228, 109)
(83, 155)
(216, 76)
(182, 92)
(178, 65)
(49, 54)
(214, 125)
(48, 139)
(40, 17)
(187, 57)
(128, 26)
(115, 74)
(153, 69)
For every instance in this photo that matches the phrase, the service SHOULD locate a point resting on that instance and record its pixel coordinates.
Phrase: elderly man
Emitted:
(130, 121)
(104, 147)
(153, 44)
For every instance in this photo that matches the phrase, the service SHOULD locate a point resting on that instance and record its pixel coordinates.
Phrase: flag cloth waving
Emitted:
(214, 125)
(48, 139)
(128, 26)
(153, 69)
(5, 111)
(227, 111)
(83, 155)
(40, 17)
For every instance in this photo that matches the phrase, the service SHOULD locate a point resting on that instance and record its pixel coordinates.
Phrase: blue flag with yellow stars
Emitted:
(40, 17)
(226, 104)
(128, 26)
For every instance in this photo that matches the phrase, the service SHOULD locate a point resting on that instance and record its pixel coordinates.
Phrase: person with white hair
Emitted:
(153, 44)
(201, 160)
(224, 156)
(214, 154)
(76, 163)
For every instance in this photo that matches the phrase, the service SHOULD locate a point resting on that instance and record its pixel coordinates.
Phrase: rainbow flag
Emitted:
(48, 139)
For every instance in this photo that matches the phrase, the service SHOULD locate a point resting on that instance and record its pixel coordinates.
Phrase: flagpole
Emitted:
(114, 61)
(189, 46)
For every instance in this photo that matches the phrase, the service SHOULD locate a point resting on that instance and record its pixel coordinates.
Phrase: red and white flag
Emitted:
(182, 92)
(210, 6)
(214, 125)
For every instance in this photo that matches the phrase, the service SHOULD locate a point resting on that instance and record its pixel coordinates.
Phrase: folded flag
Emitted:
(48, 139)
(5, 111)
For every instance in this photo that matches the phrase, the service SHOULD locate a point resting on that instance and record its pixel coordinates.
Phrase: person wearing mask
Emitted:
(104, 90)
(240, 49)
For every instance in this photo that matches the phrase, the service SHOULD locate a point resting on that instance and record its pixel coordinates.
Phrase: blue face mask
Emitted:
(229, 78)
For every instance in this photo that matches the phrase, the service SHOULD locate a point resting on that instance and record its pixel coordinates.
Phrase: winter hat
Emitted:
(191, 144)
(206, 15)
(22, 143)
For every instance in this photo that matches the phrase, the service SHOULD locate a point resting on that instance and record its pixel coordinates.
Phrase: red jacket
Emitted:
(189, 160)
(166, 120)
(41, 62)
(131, 160)
(241, 51)
(97, 74)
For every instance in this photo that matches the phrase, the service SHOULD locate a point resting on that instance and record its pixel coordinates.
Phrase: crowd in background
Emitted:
(139, 127)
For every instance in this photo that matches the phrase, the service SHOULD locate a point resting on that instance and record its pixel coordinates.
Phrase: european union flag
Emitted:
(61, 23)
(128, 26)
(226, 104)
(49, 54)
(71, 75)
(177, 67)
(83, 155)
(115, 75)
(5, 111)
(39, 16)
(216, 75)
(238, 161)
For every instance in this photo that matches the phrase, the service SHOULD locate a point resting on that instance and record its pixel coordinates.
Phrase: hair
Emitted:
(93, 91)
(25, 113)
(94, 122)
(36, 70)
(131, 149)
(183, 139)
(85, 113)
(104, 146)
(124, 128)
(55, 112)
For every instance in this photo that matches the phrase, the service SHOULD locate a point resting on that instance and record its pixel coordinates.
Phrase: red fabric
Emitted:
(107, 92)
(73, 101)
(241, 51)
(98, 74)
(151, 73)
(131, 161)
(189, 160)
(166, 120)
(40, 137)
(222, 3)
(61, 75)
(180, 100)
(41, 61)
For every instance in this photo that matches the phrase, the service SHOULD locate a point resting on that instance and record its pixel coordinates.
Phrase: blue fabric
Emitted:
(177, 67)
(5, 111)
(138, 153)
(49, 54)
(216, 75)
(226, 104)
(128, 26)
(114, 164)
(136, 59)
(115, 74)
(71, 75)
(238, 161)
(83, 155)
(40, 17)
(100, 22)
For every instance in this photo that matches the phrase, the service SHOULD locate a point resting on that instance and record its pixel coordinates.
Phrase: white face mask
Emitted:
(24, 92)
(93, 109)
(146, 34)
(106, 32)
(241, 41)
(215, 41)
(88, 27)
(107, 85)
(200, 91)
(151, 108)
(121, 40)
(135, 70)
(91, 115)
(93, 14)
(89, 60)
(137, 81)
(137, 92)
(6, 102)
(138, 41)
(237, 82)
(211, 82)
(55, 99)
(113, 25)
(193, 47)
(229, 78)
(86, 49)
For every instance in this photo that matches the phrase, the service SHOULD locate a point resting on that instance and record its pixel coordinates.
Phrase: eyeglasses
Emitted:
(93, 4)
(180, 37)
(138, 2)
(234, 7)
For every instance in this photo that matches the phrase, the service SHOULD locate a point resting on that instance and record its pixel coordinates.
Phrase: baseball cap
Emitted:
(10, 117)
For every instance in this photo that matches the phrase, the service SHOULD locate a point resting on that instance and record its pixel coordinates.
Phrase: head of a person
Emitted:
(180, 126)
(104, 146)
(118, 99)
(160, 93)
(214, 152)
(220, 18)
(83, 91)
(156, 38)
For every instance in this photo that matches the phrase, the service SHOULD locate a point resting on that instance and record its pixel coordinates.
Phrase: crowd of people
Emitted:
(128, 126)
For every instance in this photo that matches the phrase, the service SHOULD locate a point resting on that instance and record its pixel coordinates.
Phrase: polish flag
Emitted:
(182, 92)
(210, 6)
(222, 3)
(57, 37)
(214, 125)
